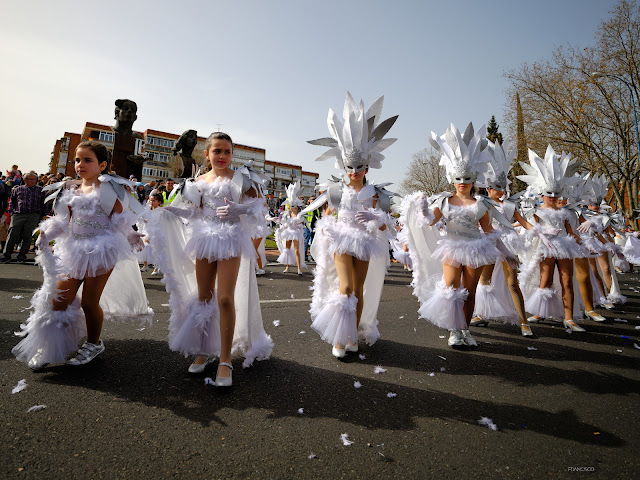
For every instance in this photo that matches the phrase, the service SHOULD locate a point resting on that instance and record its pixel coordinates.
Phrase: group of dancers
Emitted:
(470, 263)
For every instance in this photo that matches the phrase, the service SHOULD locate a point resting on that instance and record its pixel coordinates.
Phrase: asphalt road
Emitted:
(565, 405)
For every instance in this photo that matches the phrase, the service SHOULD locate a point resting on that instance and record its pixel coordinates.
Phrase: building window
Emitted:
(106, 137)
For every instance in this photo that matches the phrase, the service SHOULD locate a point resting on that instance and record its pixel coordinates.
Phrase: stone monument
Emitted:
(186, 165)
(124, 160)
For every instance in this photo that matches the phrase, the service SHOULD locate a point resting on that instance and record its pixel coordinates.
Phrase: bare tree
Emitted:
(425, 174)
(565, 106)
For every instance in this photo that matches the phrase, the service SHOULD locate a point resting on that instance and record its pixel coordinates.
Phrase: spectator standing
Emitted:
(311, 217)
(26, 210)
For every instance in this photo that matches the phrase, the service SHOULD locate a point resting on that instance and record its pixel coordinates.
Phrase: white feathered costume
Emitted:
(291, 228)
(90, 240)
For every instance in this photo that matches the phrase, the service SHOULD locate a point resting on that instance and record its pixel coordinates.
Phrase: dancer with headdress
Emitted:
(290, 233)
(446, 270)
(350, 247)
(93, 260)
(599, 221)
(498, 296)
(209, 266)
(553, 242)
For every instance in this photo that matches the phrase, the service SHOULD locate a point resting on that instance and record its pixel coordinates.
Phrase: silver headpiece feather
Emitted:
(293, 190)
(599, 186)
(358, 139)
(551, 175)
(465, 157)
(497, 176)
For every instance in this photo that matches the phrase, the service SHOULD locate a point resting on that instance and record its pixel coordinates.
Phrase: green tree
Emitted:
(493, 134)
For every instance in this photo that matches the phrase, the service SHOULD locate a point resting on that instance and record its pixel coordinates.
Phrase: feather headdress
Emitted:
(497, 176)
(293, 190)
(551, 175)
(464, 157)
(599, 186)
(358, 139)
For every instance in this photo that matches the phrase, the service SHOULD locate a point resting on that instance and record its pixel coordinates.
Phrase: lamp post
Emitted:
(597, 75)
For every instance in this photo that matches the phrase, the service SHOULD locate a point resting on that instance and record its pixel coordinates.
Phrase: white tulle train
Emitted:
(198, 332)
(546, 303)
(287, 257)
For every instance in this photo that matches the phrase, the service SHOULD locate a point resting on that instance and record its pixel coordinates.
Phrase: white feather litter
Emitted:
(442, 357)
(488, 422)
(362, 356)
(292, 296)
(276, 323)
(22, 384)
(35, 408)
(635, 345)
(302, 332)
(140, 329)
(441, 336)
(442, 369)
(401, 316)
(345, 439)
(379, 369)
(209, 381)
(392, 394)
(620, 320)
(312, 456)
(17, 297)
(301, 411)
(531, 348)
(619, 351)
(357, 384)
(431, 374)
(637, 327)
(568, 330)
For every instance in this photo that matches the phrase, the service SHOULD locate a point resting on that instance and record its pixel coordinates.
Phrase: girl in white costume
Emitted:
(93, 230)
(447, 269)
(553, 242)
(146, 254)
(350, 248)
(498, 296)
(290, 233)
(209, 267)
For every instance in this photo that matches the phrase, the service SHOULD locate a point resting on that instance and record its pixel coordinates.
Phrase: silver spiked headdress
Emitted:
(358, 139)
(497, 176)
(551, 175)
(464, 157)
(599, 186)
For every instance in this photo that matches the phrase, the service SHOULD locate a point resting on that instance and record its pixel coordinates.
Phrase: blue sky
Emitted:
(267, 72)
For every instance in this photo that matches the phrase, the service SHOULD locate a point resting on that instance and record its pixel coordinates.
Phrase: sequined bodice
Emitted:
(87, 217)
(552, 219)
(350, 204)
(462, 222)
(213, 195)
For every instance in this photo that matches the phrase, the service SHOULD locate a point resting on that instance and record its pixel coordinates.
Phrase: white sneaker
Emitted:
(144, 269)
(86, 353)
(608, 305)
(467, 339)
(260, 271)
(455, 338)
(351, 348)
(155, 272)
(338, 352)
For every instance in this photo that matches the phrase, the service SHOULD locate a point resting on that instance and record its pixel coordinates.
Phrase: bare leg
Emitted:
(360, 269)
(594, 268)
(565, 268)
(206, 280)
(69, 289)
(547, 266)
(511, 276)
(296, 248)
(91, 293)
(603, 261)
(487, 273)
(470, 278)
(344, 269)
(256, 245)
(451, 275)
(584, 282)
(228, 275)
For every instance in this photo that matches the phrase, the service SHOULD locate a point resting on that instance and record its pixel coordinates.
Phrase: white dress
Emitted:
(291, 228)
(92, 242)
(194, 325)
(334, 314)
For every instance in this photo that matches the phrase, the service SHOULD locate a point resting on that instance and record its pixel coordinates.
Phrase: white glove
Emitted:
(366, 216)
(232, 210)
(585, 227)
(135, 240)
(49, 230)
(186, 213)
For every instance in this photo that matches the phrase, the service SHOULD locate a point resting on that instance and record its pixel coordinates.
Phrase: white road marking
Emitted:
(286, 300)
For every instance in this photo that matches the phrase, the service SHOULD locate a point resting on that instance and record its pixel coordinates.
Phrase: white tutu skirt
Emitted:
(443, 307)
(545, 302)
(93, 256)
(287, 232)
(562, 247)
(261, 231)
(336, 320)
(51, 336)
(351, 238)
(470, 253)
(216, 240)
(494, 302)
(592, 246)
(199, 331)
(631, 250)
(403, 257)
(512, 241)
(287, 257)
(145, 255)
